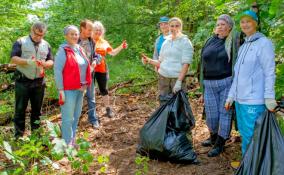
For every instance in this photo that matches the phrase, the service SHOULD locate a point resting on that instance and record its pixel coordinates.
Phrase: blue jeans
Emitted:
(246, 118)
(91, 100)
(218, 119)
(71, 112)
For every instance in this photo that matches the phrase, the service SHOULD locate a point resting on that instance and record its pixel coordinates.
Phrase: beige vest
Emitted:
(28, 51)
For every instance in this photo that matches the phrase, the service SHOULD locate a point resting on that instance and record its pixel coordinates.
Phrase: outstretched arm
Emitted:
(122, 46)
(147, 60)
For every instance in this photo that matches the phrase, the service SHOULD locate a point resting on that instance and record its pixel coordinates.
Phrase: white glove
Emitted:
(228, 103)
(270, 104)
(177, 86)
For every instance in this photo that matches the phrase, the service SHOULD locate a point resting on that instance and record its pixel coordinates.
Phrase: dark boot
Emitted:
(210, 141)
(109, 112)
(218, 148)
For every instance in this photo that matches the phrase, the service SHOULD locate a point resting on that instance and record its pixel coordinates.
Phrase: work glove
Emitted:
(177, 86)
(228, 103)
(61, 97)
(270, 104)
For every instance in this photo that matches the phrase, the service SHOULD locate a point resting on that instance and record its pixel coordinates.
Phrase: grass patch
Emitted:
(6, 108)
(7, 102)
(122, 70)
(8, 96)
(51, 90)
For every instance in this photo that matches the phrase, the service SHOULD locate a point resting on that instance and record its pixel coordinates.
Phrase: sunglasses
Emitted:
(176, 26)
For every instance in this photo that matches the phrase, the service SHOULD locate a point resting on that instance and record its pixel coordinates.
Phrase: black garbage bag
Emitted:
(179, 148)
(264, 155)
(164, 135)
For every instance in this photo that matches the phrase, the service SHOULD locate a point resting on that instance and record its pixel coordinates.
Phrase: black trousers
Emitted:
(102, 79)
(23, 94)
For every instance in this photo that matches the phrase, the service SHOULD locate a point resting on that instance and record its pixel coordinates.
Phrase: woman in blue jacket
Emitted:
(253, 85)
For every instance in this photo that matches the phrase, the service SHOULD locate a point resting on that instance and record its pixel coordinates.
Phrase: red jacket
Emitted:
(71, 71)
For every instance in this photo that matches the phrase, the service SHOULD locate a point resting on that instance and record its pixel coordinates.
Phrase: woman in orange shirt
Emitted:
(101, 70)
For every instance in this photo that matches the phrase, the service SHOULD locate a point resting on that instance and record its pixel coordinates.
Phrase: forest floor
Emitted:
(118, 137)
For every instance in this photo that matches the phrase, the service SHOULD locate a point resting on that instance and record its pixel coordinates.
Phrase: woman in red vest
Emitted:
(72, 76)
(101, 71)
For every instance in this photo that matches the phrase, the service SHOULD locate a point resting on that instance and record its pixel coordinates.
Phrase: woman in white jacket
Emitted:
(174, 60)
(253, 84)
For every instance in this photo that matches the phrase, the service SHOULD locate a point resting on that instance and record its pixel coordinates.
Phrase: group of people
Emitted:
(79, 61)
(231, 71)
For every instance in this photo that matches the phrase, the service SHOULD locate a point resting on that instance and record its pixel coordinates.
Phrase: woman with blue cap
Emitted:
(253, 85)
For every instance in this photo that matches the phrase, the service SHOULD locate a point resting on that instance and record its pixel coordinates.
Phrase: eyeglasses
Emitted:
(176, 26)
(38, 34)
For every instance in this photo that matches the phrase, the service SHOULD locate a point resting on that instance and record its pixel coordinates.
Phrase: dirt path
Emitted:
(118, 138)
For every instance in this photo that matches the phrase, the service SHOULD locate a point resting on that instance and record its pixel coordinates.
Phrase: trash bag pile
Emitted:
(166, 135)
(265, 152)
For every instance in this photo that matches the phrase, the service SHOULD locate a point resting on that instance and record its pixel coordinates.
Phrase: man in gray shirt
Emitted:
(86, 42)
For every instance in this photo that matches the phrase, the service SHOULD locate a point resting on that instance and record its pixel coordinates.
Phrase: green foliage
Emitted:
(103, 160)
(142, 166)
(40, 151)
(14, 23)
(51, 90)
(129, 69)
(82, 156)
(279, 86)
(25, 154)
(280, 120)
(136, 22)
(6, 97)
(5, 109)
